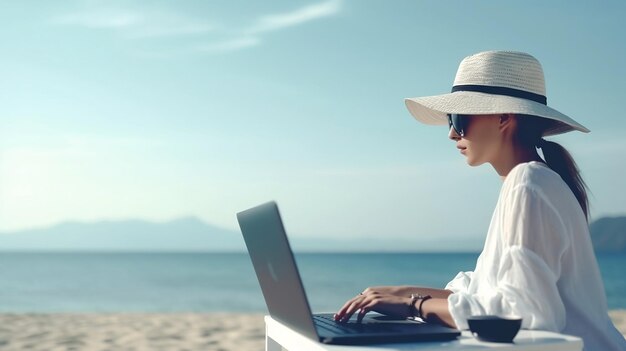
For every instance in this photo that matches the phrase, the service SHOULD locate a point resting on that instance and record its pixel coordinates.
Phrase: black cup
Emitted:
(494, 328)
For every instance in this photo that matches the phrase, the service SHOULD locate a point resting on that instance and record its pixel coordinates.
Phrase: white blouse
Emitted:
(538, 263)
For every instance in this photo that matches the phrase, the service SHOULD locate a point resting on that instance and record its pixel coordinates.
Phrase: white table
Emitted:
(279, 337)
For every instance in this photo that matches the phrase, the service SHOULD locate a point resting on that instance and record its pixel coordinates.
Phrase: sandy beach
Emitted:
(138, 332)
(132, 331)
(619, 319)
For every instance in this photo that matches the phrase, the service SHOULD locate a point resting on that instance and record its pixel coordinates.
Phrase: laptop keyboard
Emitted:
(328, 323)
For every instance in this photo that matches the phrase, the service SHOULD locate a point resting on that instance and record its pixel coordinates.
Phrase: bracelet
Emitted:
(412, 309)
(419, 310)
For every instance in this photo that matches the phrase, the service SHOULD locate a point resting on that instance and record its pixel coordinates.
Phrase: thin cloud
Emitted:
(135, 25)
(297, 17)
(268, 23)
(138, 25)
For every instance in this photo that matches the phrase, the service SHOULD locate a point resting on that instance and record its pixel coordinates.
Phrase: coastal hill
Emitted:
(192, 234)
(608, 234)
(184, 234)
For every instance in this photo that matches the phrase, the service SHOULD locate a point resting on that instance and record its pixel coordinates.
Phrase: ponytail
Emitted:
(561, 161)
(529, 134)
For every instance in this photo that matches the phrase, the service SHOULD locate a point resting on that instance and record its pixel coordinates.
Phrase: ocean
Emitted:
(222, 282)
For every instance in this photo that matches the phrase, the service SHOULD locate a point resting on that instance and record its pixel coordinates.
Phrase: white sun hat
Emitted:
(494, 82)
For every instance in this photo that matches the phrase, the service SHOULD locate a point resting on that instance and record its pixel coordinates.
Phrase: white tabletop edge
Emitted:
(526, 340)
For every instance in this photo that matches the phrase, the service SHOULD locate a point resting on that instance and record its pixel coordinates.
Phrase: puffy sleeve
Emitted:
(533, 239)
(460, 282)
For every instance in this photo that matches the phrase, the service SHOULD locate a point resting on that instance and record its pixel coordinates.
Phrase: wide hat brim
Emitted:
(433, 110)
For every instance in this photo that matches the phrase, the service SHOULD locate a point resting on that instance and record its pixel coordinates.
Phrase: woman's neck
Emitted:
(511, 157)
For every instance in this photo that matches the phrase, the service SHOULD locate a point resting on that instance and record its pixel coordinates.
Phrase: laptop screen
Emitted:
(275, 267)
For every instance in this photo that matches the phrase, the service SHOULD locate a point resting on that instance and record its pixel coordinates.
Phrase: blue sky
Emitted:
(156, 110)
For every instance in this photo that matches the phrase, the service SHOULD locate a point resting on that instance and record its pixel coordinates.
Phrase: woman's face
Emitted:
(481, 140)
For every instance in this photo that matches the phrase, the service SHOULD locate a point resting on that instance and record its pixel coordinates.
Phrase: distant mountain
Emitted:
(192, 234)
(185, 234)
(608, 234)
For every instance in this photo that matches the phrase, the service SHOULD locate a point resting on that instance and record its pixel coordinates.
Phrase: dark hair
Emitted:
(529, 134)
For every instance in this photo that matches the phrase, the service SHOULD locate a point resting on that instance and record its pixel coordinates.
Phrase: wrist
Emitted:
(416, 305)
(412, 307)
(420, 310)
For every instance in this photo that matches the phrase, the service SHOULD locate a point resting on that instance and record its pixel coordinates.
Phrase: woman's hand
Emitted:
(391, 290)
(407, 290)
(379, 299)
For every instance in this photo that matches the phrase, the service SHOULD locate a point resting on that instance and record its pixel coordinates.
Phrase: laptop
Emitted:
(286, 300)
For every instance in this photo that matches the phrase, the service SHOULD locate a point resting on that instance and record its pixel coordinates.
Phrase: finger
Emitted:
(344, 308)
(361, 314)
(370, 306)
(349, 311)
(353, 308)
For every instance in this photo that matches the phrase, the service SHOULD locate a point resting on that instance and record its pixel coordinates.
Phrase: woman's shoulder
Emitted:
(540, 182)
(533, 174)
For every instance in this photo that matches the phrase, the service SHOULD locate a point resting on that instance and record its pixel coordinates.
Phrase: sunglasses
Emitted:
(458, 122)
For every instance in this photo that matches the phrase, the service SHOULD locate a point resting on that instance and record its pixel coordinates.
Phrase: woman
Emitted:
(538, 260)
